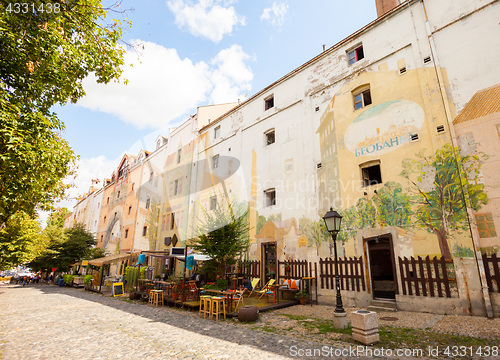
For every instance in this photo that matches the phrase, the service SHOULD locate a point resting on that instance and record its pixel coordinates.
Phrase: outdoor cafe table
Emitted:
(229, 295)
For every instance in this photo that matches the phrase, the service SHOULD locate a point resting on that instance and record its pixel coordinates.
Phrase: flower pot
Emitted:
(248, 313)
(302, 300)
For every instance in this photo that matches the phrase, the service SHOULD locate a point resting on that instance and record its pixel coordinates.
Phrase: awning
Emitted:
(197, 257)
(112, 259)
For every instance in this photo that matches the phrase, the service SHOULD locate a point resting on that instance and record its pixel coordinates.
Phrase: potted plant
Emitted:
(302, 296)
(175, 291)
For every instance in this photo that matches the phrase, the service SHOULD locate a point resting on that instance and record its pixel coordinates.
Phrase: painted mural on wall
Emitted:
(435, 199)
(384, 127)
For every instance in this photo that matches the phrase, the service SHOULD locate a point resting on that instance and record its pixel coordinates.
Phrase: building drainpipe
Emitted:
(472, 226)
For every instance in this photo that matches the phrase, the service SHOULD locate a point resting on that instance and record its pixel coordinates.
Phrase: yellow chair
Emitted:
(266, 288)
(205, 305)
(255, 282)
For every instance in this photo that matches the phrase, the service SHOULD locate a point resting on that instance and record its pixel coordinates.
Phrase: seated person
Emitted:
(247, 285)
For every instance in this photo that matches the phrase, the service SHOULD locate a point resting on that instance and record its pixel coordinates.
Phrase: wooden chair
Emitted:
(266, 288)
(192, 291)
(205, 305)
(255, 282)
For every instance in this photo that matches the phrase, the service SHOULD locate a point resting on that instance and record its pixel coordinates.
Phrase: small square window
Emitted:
(104, 220)
(118, 196)
(269, 103)
(355, 55)
(213, 203)
(215, 161)
(270, 197)
(172, 221)
(371, 175)
(126, 233)
(270, 137)
(144, 230)
(217, 132)
(129, 209)
(485, 225)
(362, 99)
(179, 152)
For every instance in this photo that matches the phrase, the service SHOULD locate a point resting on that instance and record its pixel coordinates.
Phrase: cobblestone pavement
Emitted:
(50, 322)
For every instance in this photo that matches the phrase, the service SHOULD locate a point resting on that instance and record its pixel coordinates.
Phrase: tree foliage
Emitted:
(76, 245)
(315, 232)
(223, 235)
(390, 207)
(44, 58)
(441, 191)
(20, 242)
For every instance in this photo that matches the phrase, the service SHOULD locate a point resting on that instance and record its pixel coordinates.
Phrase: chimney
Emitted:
(384, 6)
(324, 48)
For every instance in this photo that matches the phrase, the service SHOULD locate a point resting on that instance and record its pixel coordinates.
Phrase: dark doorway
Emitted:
(382, 267)
(269, 260)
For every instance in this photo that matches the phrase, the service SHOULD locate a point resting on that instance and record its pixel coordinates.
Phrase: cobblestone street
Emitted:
(49, 322)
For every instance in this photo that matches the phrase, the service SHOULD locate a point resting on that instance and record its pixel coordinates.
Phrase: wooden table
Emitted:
(229, 294)
(276, 296)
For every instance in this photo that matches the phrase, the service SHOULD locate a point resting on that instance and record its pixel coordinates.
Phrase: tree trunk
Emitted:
(443, 243)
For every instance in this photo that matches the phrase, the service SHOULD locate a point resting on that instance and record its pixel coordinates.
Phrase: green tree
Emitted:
(440, 188)
(393, 206)
(44, 58)
(76, 245)
(56, 217)
(223, 235)
(19, 242)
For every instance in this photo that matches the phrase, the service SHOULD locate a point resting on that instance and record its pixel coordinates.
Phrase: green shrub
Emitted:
(68, 279)
(87, 279)
(221, 284)
(131, 277)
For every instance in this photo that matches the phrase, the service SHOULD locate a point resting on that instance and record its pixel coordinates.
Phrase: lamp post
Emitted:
(332, 221)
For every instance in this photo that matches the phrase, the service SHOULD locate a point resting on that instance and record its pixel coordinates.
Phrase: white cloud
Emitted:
(231, 75)
(206, 18)
(162, 87)
(275, 14)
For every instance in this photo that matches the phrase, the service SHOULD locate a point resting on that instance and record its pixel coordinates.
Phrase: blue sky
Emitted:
(191, 53)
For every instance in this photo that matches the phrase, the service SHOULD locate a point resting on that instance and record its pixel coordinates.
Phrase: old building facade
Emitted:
(385, 128)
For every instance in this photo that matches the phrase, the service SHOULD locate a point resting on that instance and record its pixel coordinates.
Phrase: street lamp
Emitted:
(332, 222)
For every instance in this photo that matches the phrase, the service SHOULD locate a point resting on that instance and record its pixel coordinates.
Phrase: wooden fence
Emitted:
(428, 277)
(251, 269)
(492, 272)
(351, 273)
(295, 269)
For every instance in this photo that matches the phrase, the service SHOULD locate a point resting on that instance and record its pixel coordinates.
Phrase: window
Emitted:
(269, 102)
(217, 132)
(104, 220)
(151, 174)
(107, 200)
(485, 225)
(172, 221)
(144, 230)
(118, 196)
(101, 238)
(129, 209)
(270, 197)
(362, 98)
(355, 55)
(213, 203)
(126, 233)
(148, 202)
(133, 185)
(270, 137)
(176, 186)
(179, 152)
(115, 215)
(440, 129)
(371, 173)
(215, 161)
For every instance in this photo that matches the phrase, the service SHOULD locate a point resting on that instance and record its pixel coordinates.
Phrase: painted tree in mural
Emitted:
(390, 207)
(315, 232)
(439, 188)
